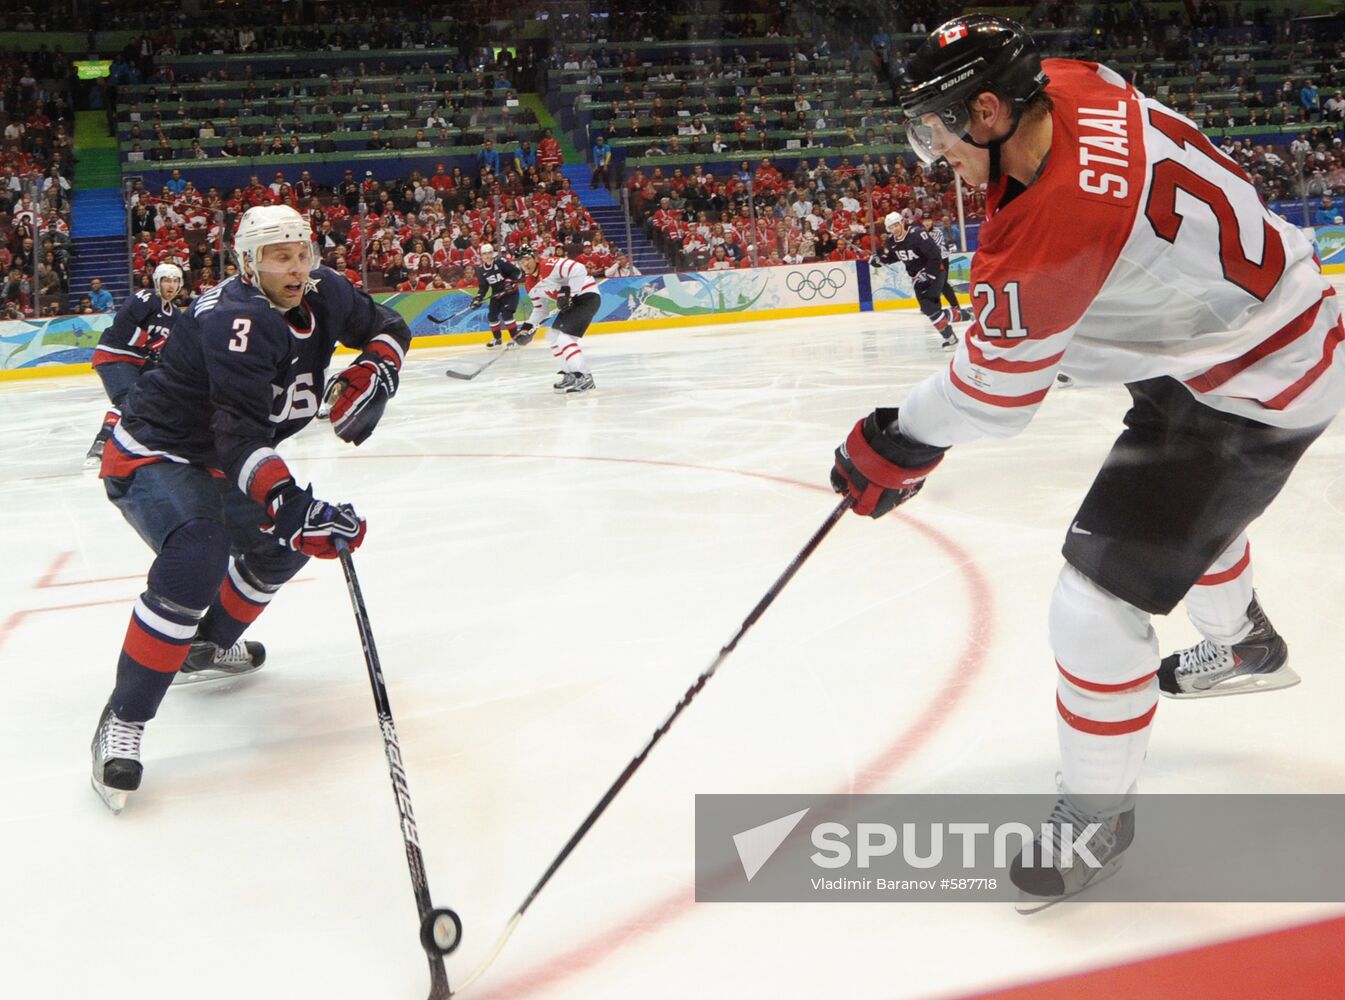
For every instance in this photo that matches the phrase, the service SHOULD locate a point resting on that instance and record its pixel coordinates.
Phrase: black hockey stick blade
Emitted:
(451, 316)
(467, 376)
(415, 860)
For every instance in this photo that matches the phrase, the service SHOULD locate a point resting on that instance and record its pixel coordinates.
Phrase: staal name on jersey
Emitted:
(1112, 148)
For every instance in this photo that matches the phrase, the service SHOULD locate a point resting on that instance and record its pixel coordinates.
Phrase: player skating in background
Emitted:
(192, 466)
(131, 346)
(919, 253)
(949, 293)
(1123, 244)
(566, 285)
(499, 279)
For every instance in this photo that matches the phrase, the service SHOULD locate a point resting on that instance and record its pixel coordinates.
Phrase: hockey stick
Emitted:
(449, 319)
(659, 733)
(467, 376)
(441, 930)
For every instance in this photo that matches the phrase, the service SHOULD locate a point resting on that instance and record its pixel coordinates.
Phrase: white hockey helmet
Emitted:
(166, 270)
(894, 219)
(485, 249)
(266, 224)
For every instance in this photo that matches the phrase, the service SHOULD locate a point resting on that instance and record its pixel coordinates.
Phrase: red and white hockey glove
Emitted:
(359, 394)
(879, 467)
(311, 526)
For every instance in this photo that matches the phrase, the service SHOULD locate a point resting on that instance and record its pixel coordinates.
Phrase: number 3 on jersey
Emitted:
(242, 327)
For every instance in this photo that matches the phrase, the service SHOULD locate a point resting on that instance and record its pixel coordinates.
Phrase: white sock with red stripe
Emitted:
(1217, 604)
(1107, 688)
(570, 354)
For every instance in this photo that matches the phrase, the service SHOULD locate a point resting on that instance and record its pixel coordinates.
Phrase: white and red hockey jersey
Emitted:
(551, 276)
(1140, 251)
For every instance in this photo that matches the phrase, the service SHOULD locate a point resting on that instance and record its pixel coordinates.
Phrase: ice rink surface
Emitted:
(545, 576)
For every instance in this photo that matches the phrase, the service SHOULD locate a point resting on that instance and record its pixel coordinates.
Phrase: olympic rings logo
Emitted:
(810, 284)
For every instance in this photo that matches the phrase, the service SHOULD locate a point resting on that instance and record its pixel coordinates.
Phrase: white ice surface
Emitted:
(545, 576)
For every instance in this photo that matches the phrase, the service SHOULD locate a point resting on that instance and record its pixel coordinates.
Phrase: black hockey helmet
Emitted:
(960, 59)
(524, 250)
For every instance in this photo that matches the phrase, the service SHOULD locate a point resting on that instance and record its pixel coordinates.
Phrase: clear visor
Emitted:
(282, 258)
(932, 134)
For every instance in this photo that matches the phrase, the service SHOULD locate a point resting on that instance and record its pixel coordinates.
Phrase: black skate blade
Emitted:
(1028, 905)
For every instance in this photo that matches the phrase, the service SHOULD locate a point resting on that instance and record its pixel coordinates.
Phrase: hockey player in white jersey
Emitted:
(566, 286)
(1121, 243)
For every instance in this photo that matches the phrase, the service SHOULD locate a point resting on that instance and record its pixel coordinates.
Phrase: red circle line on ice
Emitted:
(967, 666)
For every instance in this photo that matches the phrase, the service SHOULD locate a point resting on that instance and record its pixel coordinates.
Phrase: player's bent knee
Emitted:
(267, 570)
(191, 563)
(1098, 638)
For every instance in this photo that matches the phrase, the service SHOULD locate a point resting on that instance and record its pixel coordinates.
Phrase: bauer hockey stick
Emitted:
(659, 733)
(440, 930)
(467, 376)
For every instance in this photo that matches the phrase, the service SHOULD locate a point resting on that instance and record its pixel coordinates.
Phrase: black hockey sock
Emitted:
(166, 617)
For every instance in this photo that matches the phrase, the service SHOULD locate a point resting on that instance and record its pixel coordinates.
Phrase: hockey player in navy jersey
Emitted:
(499, 279)
(132, 344)
(192, 466)
(922, 257)
(949, 293)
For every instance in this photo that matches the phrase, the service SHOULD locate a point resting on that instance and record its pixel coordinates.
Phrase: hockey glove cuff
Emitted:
(360, 393)
(879, 467)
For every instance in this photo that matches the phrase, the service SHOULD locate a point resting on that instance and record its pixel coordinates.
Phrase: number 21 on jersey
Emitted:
(1012, 311)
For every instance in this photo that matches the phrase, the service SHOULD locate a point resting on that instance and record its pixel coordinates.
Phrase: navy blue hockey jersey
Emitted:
(238, 377)
(138, 331)
(917, 250)
(500, 279)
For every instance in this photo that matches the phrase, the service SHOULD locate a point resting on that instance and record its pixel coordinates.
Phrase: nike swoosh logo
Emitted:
(1074, 529)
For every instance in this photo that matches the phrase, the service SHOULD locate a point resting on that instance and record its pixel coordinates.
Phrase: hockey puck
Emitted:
(441, 932)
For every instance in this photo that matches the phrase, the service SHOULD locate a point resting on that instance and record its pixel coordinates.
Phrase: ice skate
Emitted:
(1044, 884)
(1259, 662)
(207, 662)
(93, 458)
(116, 759)
(964, 315)
(494, 343)
(581, 383)
(567, 379)
(949, 338)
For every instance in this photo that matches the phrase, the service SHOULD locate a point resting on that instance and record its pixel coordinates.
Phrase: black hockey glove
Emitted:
(524, 334)
(476, 301)
(563, 300)
(875, 262)
(879, 467)
(311, 526)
